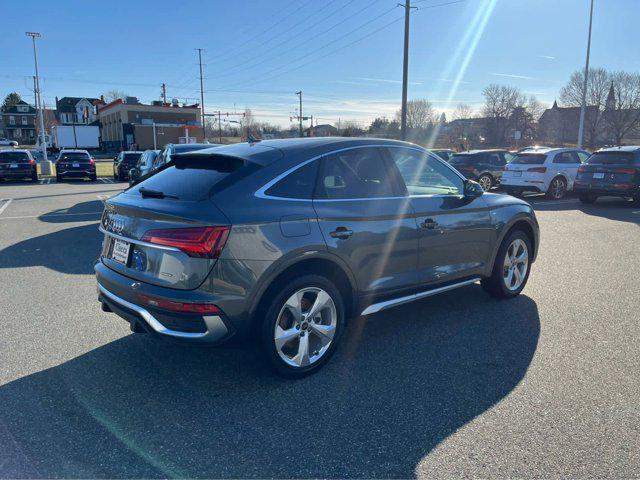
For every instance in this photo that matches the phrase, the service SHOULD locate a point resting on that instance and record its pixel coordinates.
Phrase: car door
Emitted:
(365, 221)
(566, 164)
(497, 161)
(454, 232)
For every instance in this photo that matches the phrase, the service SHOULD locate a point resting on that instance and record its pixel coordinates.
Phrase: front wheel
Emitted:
(486, 182)
(302, 326)
(511, 267)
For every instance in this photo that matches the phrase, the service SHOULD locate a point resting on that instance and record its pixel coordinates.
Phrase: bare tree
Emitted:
(420, 114)
(622, 113)
(115, 94)
(598, 86)
(500, 103)
(462, 111)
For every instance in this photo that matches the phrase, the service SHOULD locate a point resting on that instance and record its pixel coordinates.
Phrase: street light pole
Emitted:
(583, 107)
(46, 165)
(300, 113)
(405, 70)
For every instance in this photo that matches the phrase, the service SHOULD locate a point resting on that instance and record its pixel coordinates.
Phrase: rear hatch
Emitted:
(15, 163)
(527, 167)
(129, 161)
(610, 170)
(70, 161)
(165, 230)
(465, 163)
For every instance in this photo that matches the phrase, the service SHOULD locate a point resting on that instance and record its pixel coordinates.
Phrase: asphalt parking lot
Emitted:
(546, 384)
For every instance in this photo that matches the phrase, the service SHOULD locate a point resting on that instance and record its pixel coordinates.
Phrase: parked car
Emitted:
(283, 240)
(143, 166)
(172, 148)
(483, 166)
(610, 172)
(548, 170)
(5, 142)
(75, 164)
(444, 153)
(16, 164)
(124, 162)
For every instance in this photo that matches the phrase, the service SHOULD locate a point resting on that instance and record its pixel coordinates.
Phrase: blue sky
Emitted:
(346, 55)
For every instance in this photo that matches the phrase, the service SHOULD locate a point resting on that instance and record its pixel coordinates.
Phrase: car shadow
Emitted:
(401, 383)
(612, 208)
(82, 211)
(72, 250)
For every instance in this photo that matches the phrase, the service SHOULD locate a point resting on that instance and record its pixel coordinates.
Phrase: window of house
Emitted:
(23, 108)
(356, 173)
(25, 121)
(12, 120)
(425, 175)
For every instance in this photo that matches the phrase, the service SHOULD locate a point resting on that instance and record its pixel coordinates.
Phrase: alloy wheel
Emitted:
(485, 182)
(557, 188)
(305, 327)
(516, 264)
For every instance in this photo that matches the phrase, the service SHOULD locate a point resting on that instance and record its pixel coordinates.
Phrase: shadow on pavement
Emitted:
(612, 208)
(72, 250)
(401, 383)
(83, 211)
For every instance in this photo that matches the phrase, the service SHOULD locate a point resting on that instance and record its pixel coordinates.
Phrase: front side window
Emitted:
(356, 173)
(425, 175)
(298, 184)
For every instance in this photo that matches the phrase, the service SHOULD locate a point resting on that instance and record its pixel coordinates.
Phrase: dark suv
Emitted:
(123, 163)
(283, 240)
(483, 166)
(610, 172)
(18, 164)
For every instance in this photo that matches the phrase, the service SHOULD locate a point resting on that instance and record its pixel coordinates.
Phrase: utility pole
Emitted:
(46, 165)
(219, 114)
(583, 107)
(164, 93)
(300, 113)
(405, 69)
(201, 84)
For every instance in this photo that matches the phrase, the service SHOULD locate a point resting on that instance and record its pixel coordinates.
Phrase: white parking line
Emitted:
(5, 205)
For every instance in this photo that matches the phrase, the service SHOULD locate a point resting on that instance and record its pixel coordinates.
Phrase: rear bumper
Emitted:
(113, 287)
(16, 174)
(524, 184)
(76, 173)
(613, 190)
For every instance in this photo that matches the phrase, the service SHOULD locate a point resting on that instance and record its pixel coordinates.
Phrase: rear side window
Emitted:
(464, 159)
(529, 159)
(196, 177)
(612, 158)
(566, 157)
(14, 156)
(298, 184)
(355, 173)
(496, 160)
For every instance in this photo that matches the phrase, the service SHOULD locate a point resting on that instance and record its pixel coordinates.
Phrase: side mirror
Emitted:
(472, 189)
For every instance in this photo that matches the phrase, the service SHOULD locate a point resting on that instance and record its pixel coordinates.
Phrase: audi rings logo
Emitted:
(114, 224)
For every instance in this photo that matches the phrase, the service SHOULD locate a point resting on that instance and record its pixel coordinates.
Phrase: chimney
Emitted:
(102, 98)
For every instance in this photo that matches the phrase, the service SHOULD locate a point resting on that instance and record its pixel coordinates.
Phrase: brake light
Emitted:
(32, 162)
(467, 167)
(92, 162)
(202, 242)
(537, 169)
(179, 306)
(629, 171)
(582, 168)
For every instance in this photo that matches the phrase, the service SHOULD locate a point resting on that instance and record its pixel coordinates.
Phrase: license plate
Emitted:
(120, 252)
(598, 175)
(13, 165)
(75, 165)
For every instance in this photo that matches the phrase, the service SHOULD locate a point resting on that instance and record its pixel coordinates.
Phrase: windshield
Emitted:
(528, 159)
(73, 156)
(609, 158)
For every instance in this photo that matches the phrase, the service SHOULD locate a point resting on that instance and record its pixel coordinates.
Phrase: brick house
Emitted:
(19, 123)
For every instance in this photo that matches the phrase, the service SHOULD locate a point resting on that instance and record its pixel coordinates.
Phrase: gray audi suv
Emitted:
(282, 241)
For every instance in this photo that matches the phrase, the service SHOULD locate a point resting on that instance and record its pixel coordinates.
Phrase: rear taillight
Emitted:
(202, 242)
(582, 168)
(467, 167)
(537, 169)
(92, 162)
(627, 171)
(179, 306)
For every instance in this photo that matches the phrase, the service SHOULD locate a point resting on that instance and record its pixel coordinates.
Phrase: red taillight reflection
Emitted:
(92, 162)
(203, 242)
(179, 306)
(628, 171)
(537, 169)
(582, 169)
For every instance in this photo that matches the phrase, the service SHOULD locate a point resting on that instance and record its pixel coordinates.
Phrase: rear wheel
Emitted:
(34, 177)
(485, 181)
(511, 267)
(93, 178)
(587, 198)
(302, 326)
(636, 200)
(557, 188)
(58, 178)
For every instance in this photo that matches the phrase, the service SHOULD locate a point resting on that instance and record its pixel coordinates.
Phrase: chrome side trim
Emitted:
(261, 192)
(138, 242)
(216, 328)
(376, 307)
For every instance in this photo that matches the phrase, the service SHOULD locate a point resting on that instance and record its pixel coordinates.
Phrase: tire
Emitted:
(286, 359)
(496, 284)
(587, 198)
(34, 177)
(486, 181)
(636, 200)
(557, 188)
(58, 179)
(93, 178)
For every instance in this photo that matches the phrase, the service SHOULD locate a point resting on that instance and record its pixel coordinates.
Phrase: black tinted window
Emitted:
(13, 156)
(566, 157)
(620, 158)
(298, 184)
(75, 156)
(464, 159)
(356, 173)
(496, 160)
(131, 157)
(529, 159)
(196, 177)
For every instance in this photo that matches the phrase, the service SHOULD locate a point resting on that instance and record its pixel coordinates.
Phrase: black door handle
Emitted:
(342, 233)
(429, 224)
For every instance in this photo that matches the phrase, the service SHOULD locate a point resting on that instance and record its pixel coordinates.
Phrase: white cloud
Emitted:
(510, 75)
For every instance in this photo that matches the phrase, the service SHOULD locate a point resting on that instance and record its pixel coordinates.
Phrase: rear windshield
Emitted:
(13, 156)
(464, 159)
(608, 158)
(192, 178)
(131, 157)
(529, 159)
(74, 156)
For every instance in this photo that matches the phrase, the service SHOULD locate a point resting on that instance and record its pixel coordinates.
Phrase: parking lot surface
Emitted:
(461, 384)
